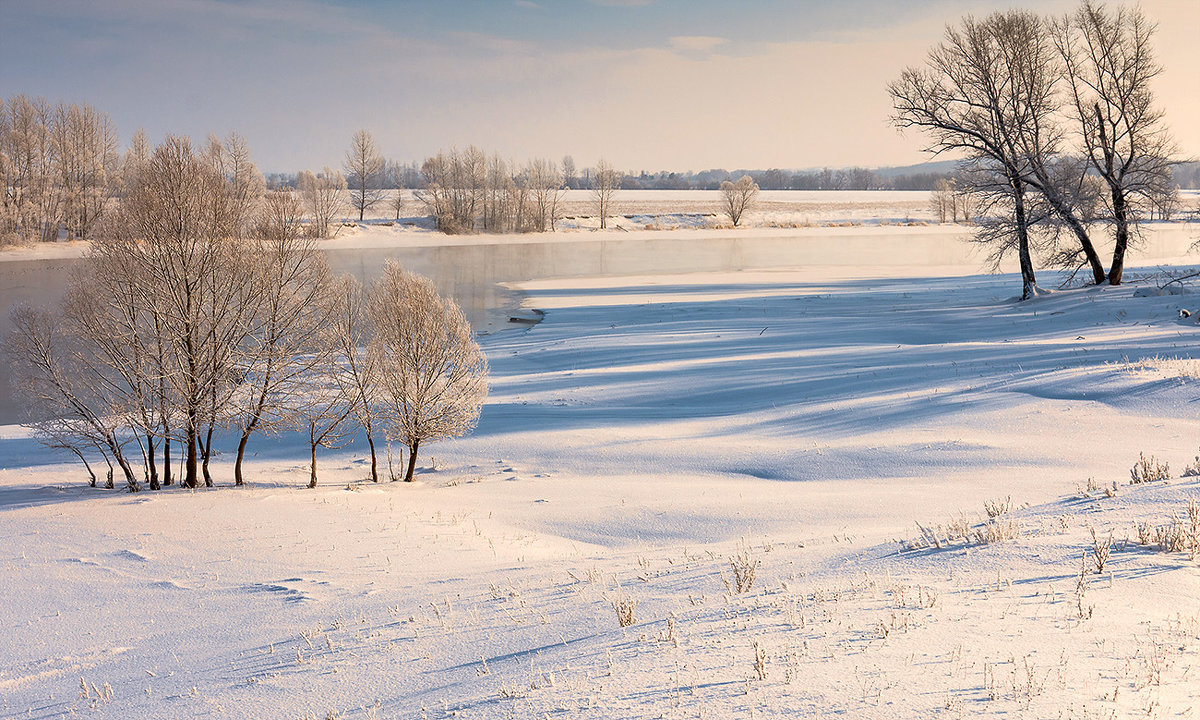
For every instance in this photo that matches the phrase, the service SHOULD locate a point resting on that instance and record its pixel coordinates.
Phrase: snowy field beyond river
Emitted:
(649, 432)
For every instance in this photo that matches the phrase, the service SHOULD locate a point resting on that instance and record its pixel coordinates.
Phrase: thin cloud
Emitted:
(696, 43)
(527, 4)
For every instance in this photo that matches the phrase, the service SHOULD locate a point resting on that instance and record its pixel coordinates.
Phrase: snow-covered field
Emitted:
(647, 444)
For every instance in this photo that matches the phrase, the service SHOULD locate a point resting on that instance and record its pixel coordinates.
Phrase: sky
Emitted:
(680, 85)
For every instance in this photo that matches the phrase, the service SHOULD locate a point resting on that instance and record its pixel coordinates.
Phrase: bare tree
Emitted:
(198, 282)
(456, 185)
(545, 187)
(395, 178)
(54, 374)
(736, 198)
(364, 168)
(980, 87)
(135, 160)
(568, 172)
(87, 162)
(27, 146)
(322, 197)
(292, 284)
(941, 201)
(244, 185)
(605, 181)
(324, 406)
(432, 375)
(351, 332)
(1110, 64)
(105, 311)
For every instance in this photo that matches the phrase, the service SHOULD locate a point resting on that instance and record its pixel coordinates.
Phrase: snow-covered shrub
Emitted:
(994, 531)
(744, 569)
(996, 508)
(1193, 468)
(1148, 469)
(624, 606)
(1101, 550)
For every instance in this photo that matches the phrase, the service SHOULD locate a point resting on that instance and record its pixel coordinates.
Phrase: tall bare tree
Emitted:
(87, 165)
(545, 188)
(324, 407)
(55, 374)
(244, 185)
(432, 375)
(568, 172)
(736, 198)
(605, 182)
(292, 286)
(395, 180)
(977, 92)
(1110, 63)
(198, 281)
(351, 333)
(364, 169)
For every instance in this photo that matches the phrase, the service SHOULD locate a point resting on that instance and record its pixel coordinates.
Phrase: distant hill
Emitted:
(938, 167)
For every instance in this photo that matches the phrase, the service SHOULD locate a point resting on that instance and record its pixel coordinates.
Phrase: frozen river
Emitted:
(474, 269)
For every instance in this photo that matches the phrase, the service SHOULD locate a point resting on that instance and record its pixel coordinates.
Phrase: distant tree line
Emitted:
(411, 177)
(203, 306)
(1057, 121)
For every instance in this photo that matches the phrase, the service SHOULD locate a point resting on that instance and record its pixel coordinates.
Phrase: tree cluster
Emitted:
(1057, 123)
(468, 191)
(203, 309)
(59, 166)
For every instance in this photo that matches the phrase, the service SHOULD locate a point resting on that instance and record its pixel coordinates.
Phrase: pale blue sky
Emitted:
(648, 84)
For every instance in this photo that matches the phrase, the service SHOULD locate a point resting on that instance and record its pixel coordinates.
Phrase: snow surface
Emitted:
(639, 435)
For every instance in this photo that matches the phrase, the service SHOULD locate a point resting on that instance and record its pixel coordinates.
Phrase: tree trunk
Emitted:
(241, 453)
(207, 453)
(1028, 283)
(312, 473)
(1121, 220)
(151, 464)
(1080, 232)
(190, 474)
(374, 468)
(130, 481)
(1089, 250)
(412, 461)
(167, 479)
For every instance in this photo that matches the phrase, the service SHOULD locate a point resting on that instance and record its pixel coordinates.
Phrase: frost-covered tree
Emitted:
(456, 183)
(605, 181)
(170, 237)
(87, 163)
(736, 198)
(292, 283)
(545, 184)
(322, 198)
(64, 389)
(364, 172)
(568, 172)
(243, 187)
(325, 404)
(351, 331)
(432, 375)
